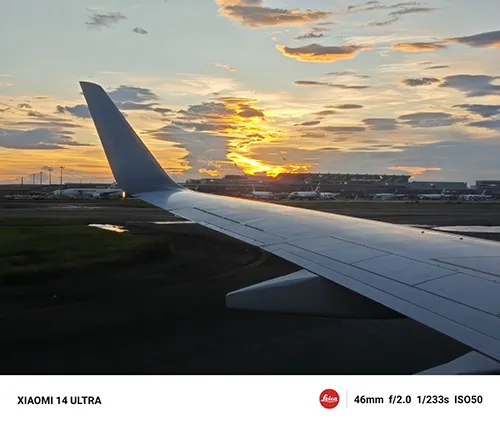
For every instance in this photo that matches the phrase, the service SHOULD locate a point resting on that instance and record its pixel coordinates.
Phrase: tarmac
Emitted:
(169, 316)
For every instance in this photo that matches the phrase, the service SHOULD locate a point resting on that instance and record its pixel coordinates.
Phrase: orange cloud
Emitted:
(415, 170)
(252, 14)
(252, 166)
(417, 47)
(220, 65)
(319, 53)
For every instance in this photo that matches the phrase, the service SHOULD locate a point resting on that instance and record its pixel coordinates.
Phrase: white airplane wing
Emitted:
(352, 266)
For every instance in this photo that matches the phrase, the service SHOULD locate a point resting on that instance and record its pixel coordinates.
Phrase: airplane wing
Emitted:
(351, 266)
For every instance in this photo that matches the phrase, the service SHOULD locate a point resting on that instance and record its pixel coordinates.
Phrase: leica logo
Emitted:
(329, 398)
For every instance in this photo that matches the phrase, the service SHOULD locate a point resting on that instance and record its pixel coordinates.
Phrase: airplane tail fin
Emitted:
(134, 167)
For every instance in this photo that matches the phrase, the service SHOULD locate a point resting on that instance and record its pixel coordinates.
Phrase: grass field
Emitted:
(36, 248)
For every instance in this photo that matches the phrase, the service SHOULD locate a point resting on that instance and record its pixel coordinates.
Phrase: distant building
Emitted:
(482, 185)
(448, 186)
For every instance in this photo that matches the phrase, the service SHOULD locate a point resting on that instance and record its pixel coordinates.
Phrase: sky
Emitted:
(216, 87)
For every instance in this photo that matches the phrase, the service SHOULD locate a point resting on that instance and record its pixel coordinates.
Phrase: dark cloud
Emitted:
(256, 16)
(125, 97)
(128, 93)
(348, 73)
(484, 39)
(345, 106)
(382, 23)
(325, 113)
(370, 6)
(205, 150)
(418, 47)
(35, 139)
(429, 119)
(250, 112)
(403, 8)
(381, 124)
(24, 106)
(437, 67)
(472, 85)
(327, 84)
(419, 82)
(101, 20)
(80, 110)
(484, 110)
(309, 35)
(319, 53)
(141, 31)
(494, 125)
(309, 123)
(343, 129)
(412, 10)
(312, 135)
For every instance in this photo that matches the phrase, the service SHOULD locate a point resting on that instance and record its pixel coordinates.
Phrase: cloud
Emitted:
(254, 15)
(419, 82)
(141, 31)
(80, 110)
(35, 139)
(319, 53)
(24, 106)
(415, 170)
(125, 97)
(412, 10)
(309, 123)
(312, 135)
(343, 129)
(402, 9)
(382, 23)
(494, 125)
(250, 112)
(101, 20)
(472, 85)
(381, 124)
(437, 67)
(376, 5)
(345, 106)
(348, 73)
(220, 65)
(429, 119)
(484, 110)
(418, 47)
(325, 113)
(484, 39)
(309, 35)
(327, 84)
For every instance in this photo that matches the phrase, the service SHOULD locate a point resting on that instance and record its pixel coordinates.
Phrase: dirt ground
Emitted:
(169, 317)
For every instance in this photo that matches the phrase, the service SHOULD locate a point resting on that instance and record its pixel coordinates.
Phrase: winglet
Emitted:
(134, 167)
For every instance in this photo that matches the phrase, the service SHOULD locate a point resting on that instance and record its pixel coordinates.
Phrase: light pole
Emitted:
(61, 167)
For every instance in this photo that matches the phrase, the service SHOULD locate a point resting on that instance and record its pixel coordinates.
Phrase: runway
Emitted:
(168, 316)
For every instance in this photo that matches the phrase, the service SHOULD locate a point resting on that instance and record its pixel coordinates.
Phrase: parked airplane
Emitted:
(440, 196)
(301, 195)
(475, 197)
(351, 267)
(262, 195)
(326, 195)
(89, 192)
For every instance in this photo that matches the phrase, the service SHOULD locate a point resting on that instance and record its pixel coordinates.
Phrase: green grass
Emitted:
(32, 251)
(20, 204)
